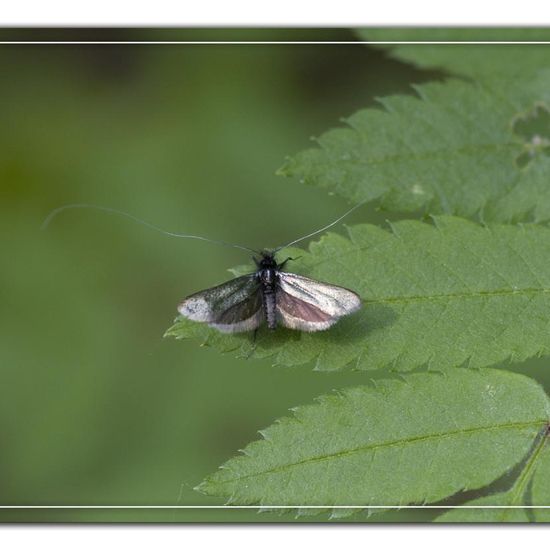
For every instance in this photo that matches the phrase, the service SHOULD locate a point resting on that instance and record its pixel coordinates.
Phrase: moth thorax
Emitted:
(268, 276)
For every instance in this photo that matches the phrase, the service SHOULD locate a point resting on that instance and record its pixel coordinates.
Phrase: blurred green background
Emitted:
(96, 407)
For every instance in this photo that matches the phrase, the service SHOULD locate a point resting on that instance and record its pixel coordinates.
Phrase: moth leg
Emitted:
(282, 264)
(253, 347)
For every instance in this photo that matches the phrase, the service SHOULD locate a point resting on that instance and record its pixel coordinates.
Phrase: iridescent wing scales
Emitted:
(309, 305)
(234, 306)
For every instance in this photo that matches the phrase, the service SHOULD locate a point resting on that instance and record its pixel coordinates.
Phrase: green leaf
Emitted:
(477, 150)
(442, 295)
(413, 441)
(515, 497)
(475, 60)
(487, 515)
(540, 491)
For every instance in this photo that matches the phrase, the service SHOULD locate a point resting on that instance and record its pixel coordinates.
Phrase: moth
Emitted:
(269, 295)
(273, 296)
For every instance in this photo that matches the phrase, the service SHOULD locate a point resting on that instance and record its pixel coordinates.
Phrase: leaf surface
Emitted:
(512, 505)
(413, 441)
(474, 60)
(487, 515)
(443, 295)
(478, 150)
(540, 491)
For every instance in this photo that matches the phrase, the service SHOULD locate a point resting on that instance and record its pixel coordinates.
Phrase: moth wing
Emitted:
(310, 305)
(234, 306)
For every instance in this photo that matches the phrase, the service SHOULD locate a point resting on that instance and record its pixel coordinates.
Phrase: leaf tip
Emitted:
(202, 488)
(285, 169)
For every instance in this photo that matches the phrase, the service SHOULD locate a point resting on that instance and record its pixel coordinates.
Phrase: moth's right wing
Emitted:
(310, 305)
(234, 306)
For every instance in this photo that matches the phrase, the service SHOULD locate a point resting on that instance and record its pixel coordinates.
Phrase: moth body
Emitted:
(268, 275)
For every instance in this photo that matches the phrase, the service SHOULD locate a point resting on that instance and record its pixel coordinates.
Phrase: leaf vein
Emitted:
(387, 444)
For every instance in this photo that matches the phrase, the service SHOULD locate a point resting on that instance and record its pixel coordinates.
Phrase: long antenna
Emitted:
(322, 228)
(57, 211)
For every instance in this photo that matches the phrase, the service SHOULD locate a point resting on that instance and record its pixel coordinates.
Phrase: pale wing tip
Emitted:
(351, 303)
(182, 309)
(194, 309)
(356, 302)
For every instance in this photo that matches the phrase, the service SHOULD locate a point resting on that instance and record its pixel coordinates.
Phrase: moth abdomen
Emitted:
(270, 307)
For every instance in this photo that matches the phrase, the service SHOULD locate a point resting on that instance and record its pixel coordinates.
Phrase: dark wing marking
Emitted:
(309, 305)
(243, 316)
(234, 306)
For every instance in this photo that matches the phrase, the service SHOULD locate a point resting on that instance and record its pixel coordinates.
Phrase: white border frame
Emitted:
(278, 506)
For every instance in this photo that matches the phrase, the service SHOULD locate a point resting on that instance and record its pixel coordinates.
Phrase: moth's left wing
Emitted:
(309, 305)
(234, 306)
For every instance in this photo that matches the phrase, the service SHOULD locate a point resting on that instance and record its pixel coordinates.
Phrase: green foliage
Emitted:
(540, 490)
(103, 411)
(436, 433)
(159, 132)
(488, 515)
(469, 288)
(474, 60)
(507, 504)
(455, 148)
(441, 295)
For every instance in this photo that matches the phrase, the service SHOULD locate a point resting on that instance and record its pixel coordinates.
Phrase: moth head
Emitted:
(266, 260)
